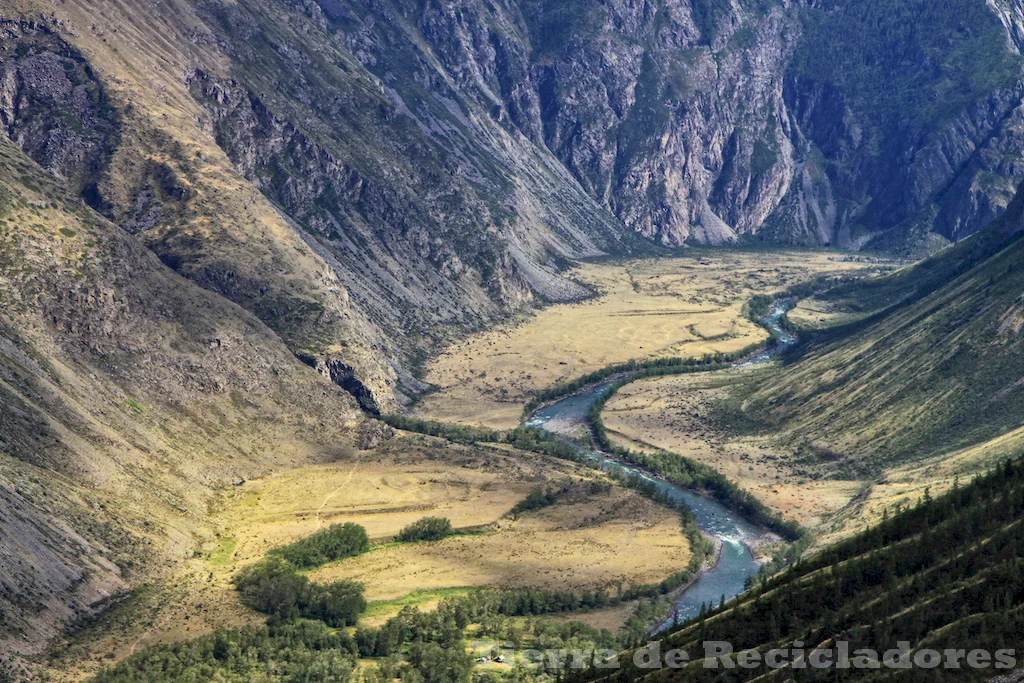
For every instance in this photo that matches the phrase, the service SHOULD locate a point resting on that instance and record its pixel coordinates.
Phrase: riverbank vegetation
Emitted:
(674, 467)
(637, 369)
(944, 572)
(688, 473)
(684, 307)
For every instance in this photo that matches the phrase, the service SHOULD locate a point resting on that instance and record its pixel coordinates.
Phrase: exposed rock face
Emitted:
(691, 123)
(127, 396)
(656, 120)
(386, 231)
(354, 182)
(428, 167)
(53, 106)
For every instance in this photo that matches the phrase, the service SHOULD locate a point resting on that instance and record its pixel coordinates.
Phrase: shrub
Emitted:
(327, 545)
(538, 498)
(427, 529)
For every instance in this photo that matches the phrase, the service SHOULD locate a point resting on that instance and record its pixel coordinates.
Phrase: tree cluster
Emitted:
(537, 499)
(327, 545)
(273, 587)
(306, 652)
(426, 529)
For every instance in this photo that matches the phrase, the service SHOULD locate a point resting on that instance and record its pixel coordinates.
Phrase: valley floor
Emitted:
(796, 478)
(689, 306)
(651, 308)
(685, 306)
(585, 542)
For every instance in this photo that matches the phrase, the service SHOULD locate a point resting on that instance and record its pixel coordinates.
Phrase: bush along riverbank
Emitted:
(639, 369)
(687, 473)
(530, 439)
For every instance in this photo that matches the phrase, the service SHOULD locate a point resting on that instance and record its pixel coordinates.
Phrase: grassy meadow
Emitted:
(657, 308)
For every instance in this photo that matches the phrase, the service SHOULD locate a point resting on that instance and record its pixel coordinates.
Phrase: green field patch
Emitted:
(224, 551)
(381, 608)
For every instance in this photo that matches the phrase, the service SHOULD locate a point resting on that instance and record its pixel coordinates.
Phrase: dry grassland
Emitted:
(906, 485)
(583, 543)
(610, 540)
(673, 413)
(813, 313)
(685, 306)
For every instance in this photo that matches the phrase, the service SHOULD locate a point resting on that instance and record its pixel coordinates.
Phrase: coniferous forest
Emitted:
(947, 573)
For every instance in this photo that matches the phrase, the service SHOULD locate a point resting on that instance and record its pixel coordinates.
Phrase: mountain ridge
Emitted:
(416, 172)
(234, 227)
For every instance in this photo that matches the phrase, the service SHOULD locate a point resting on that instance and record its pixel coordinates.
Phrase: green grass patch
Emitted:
(416, 598)
(224, 551)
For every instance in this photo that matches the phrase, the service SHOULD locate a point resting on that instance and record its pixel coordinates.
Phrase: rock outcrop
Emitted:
(371, 178)
(128, 395)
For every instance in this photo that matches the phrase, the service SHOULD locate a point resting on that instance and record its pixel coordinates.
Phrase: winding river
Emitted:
(736, 562)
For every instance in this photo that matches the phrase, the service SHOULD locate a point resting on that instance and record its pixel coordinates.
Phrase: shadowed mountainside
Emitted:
(936, 368)
(371, 178)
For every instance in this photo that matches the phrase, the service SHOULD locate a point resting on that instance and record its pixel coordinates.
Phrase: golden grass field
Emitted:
(672, 413)
(610, 540)
(685, 306)
(585, 542)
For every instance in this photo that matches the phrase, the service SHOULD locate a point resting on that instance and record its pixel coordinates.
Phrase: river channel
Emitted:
(734, 533)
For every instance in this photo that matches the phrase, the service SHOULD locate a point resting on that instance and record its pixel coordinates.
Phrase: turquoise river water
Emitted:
(735, 563)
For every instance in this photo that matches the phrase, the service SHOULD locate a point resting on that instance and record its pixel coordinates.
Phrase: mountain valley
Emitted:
(285, 285)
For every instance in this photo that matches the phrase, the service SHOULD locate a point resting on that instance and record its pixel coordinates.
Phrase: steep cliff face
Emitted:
(818, 123)
(370, 177)
(659, 110)
(189, 209)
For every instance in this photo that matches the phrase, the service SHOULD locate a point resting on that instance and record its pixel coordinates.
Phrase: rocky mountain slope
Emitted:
(371, 177)
(697, 121)
(127, 396)
(198, 195)
(256, 156)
